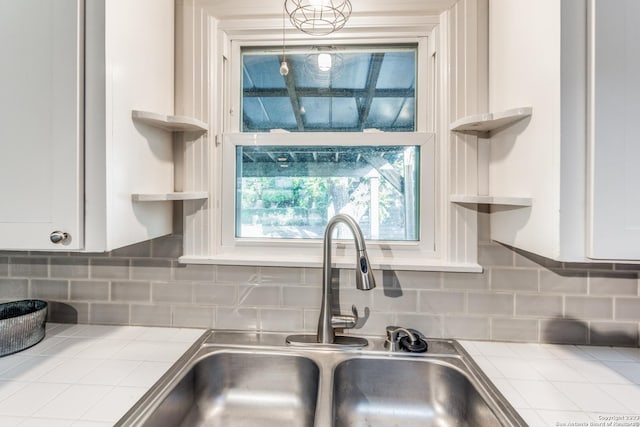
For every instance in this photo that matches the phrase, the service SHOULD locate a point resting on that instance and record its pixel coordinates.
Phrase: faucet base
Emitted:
(340, 341)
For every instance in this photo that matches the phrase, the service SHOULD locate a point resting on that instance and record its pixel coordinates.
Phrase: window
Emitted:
(290, 192)
(349, 137)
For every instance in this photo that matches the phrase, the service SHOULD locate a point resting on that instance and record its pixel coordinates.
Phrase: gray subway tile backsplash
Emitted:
(236, 318)
(627, 309)
(259, 296)
(237, 275)
(14, 289)
(491, 303)
(109, 314)
(281, 276)
(564, 331)
(150, 315)
(190, 316)
(214, 294)
(4, 266)
(426, 280)
(518, 297)
(301, 296)
(131, 291)
(466, 327)
(466, 281)
(439, 302)
(404, 301)
(50, 289)
(429, 325)
(281, 320)
(29, 267)
(194, 272)
(178, 293)
(311, 320)
(589, 307)
(69, 267)
(564, 281)
(312, 276)
(87, 290)
(109, 268)
(613, 333)
(151, 269)
(525, 280)
(68, 312)
(613, 283)
(539, 305)
(512, 329)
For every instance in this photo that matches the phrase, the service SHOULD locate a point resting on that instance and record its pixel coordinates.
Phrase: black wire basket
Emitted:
(22, 325)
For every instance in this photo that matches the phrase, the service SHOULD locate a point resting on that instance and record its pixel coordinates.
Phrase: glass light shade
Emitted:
(318, 17)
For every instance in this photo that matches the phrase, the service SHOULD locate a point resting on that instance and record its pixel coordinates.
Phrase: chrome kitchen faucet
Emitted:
(364, 281)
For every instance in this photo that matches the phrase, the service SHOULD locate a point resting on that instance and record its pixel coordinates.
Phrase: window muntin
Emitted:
(290, 192)
(364, 88)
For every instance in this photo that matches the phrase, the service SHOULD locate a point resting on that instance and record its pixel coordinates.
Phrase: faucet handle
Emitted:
(345, 321)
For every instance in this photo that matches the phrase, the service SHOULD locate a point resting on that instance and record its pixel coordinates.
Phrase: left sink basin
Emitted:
(243, 389)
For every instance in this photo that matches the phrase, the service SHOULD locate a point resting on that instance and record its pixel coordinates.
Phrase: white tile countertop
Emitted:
(564, 385)
(90, 375)
(82, 375)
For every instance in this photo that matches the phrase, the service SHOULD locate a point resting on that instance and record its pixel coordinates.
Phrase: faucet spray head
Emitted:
(364, 274)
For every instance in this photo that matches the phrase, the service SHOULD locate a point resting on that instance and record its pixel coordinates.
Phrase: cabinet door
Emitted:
(41, 123)
(614, 136)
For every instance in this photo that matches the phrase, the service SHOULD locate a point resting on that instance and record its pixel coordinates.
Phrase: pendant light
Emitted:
(318, 17)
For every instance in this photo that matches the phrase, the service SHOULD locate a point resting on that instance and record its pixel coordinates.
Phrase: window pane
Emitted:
(292, 191)
(396, 113)
(263, 112)
(330, 89)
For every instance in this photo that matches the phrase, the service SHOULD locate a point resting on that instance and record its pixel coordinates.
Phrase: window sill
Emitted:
(338, 261)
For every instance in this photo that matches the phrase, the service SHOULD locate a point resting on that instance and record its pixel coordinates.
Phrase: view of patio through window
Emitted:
(291, 192)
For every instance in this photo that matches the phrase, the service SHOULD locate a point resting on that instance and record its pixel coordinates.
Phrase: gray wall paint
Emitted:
(519, 297)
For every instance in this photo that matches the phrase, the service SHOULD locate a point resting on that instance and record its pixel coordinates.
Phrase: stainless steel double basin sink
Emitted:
(243, 379)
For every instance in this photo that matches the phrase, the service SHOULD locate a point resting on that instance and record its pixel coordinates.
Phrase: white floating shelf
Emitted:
(165, 197)
(491, 200)
(490, 121)
(170, 123)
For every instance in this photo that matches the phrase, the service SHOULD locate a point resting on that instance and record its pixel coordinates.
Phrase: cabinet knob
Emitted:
(59, 237)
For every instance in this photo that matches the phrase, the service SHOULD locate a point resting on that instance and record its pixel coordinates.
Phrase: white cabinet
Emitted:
(575, 62)
(40, 122)
(614, 139)
(72, 156)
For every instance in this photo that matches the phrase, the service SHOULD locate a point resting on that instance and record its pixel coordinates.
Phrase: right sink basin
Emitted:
(388, 392)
